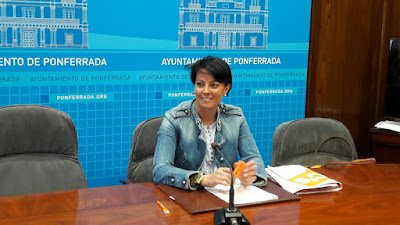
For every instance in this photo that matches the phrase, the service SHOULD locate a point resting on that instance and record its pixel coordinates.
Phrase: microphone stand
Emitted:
(228, 215)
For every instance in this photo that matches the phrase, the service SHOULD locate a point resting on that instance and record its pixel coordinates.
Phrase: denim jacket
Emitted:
(181, 148)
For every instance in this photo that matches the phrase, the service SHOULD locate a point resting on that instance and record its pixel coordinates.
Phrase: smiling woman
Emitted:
(210, 84)
(209, 94)
(185, 156)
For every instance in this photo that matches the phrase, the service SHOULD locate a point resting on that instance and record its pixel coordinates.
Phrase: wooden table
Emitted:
(371, 195)
(386, 146)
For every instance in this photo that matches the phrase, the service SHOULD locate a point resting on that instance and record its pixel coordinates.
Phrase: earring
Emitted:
(225, 95)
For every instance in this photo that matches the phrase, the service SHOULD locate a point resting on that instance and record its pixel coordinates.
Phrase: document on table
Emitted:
(244, 194)
(298, 179)
(390, 125)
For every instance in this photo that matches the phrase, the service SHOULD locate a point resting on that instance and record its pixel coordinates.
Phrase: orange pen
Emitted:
(238, 169)
(166, 211)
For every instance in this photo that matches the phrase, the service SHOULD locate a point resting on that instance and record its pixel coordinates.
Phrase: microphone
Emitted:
(217, 146)
(228, 215)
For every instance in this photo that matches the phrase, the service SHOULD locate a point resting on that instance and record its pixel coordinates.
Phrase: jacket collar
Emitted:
(198, 119)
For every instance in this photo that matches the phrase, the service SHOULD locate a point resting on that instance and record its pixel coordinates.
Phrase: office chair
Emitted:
(144, 140)
(312, 141)
(38, 151)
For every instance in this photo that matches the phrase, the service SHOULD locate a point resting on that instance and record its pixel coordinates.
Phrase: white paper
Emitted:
(244, 194)
(295, 178)
(390, 125)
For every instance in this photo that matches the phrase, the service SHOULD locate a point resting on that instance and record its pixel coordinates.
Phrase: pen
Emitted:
(166, 211)
(238, 169)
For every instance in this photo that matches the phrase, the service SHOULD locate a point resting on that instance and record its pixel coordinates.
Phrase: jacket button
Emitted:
(221, 159)
(187, 112)
(184, 182)
(172, 180)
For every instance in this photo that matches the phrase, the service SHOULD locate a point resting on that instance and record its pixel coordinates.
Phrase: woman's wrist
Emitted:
(203, 181)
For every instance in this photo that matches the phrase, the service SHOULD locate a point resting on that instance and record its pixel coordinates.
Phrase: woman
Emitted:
(201, 138)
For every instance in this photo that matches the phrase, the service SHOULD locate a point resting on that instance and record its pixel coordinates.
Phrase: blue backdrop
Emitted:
(111, 65)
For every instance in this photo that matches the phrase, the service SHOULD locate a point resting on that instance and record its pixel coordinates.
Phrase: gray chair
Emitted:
(312, 141)
(143, 145)
(38, 151)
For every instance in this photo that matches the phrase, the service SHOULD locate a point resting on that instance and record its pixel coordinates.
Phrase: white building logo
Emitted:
(43, 24)
(223, 24)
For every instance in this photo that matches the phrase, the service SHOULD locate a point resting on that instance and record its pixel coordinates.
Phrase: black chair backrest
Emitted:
(143, 145)
(312, 141)
(38, 151)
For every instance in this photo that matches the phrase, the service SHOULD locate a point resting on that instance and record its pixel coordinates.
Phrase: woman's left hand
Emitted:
(248, 174)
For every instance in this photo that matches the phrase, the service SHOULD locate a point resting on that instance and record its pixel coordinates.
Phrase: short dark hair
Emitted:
(213, 65)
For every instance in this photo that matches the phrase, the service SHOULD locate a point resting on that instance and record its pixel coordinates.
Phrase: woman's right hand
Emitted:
(221, 176)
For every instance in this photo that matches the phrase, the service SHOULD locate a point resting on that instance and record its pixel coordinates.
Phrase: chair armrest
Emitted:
(348, 163)
(127, 181)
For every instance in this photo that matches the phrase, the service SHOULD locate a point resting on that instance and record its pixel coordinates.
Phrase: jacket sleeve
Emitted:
(248, 150)
(164, 170)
